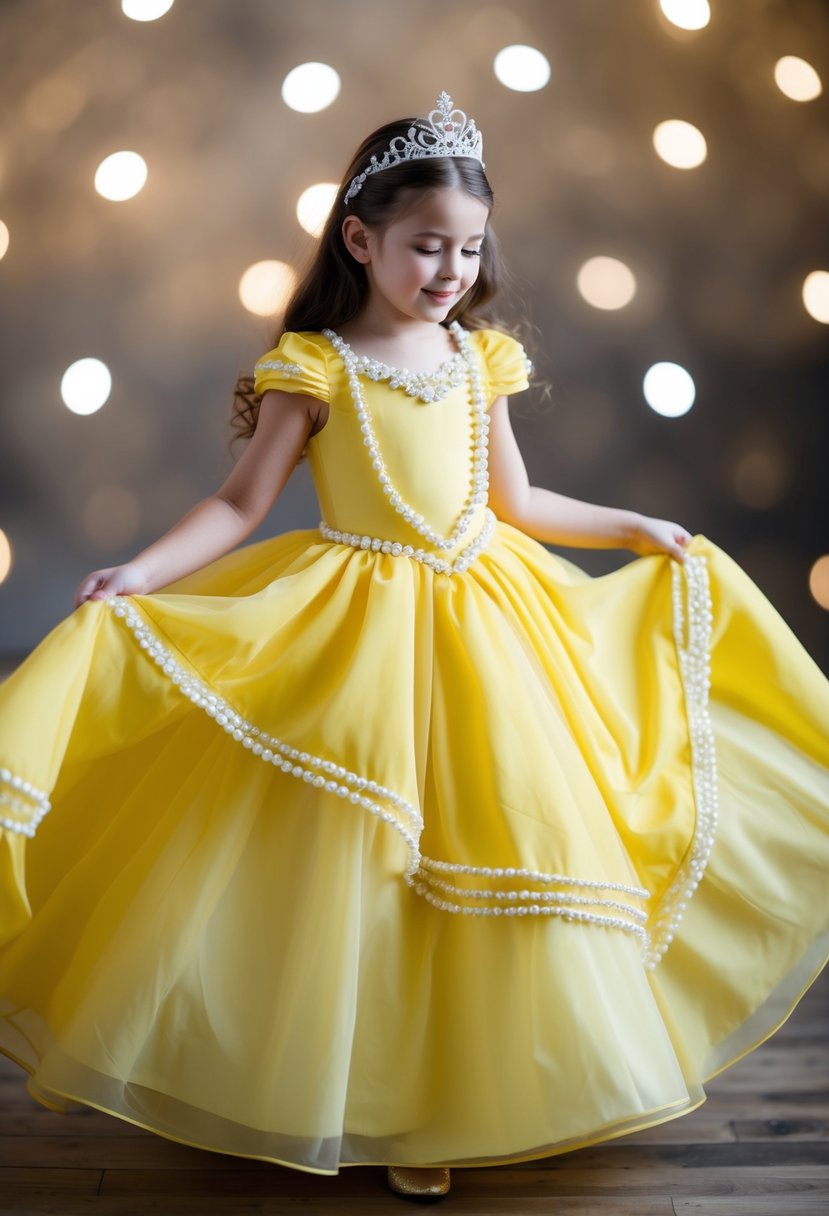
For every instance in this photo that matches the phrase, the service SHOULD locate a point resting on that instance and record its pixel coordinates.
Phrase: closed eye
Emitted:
(469, 253)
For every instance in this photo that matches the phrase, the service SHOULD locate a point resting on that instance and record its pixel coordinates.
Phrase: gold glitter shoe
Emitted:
(423, 1185)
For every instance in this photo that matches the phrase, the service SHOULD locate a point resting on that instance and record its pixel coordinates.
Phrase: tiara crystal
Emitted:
(446, 132)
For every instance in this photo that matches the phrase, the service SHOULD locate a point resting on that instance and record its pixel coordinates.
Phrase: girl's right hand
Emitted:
(128, 579)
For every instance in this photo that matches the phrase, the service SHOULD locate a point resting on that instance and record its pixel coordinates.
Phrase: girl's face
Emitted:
(420, 265)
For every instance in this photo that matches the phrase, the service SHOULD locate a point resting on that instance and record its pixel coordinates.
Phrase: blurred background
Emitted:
(662, 179)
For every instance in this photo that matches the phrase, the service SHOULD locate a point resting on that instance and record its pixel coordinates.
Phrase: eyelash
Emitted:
(470, 253)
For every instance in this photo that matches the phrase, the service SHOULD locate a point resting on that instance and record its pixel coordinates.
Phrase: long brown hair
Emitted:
(335, 286)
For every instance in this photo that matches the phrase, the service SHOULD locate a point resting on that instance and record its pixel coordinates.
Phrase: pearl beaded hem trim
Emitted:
(692, 620)
(396, 548)
(322, 773)
(493, 891)
(22, 805)
(399, 814)
(388, 806)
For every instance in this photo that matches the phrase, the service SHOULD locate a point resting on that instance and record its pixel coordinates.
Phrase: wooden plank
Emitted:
(490, 1184)
(141, 1149)
(622, 1154)
(755, 1205)
(41, 1122)
(380, 1204)
(665, 1180)
(48, 1181)
(770, 1129)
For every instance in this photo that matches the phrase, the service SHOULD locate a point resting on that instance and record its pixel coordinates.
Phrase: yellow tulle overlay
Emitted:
(326, 857)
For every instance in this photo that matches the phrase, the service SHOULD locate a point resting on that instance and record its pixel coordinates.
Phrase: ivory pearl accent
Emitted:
(692, 620)
(25, 804)
(292, 370)
(426, 386)
(397, 549)
(538, 876)
(479, 481)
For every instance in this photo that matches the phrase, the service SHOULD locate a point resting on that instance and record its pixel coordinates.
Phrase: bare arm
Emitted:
(559, 520)
(224, 519)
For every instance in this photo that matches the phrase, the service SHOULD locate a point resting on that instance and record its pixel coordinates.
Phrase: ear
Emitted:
(356, 239)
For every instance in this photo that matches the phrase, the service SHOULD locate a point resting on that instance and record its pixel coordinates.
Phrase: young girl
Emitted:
(403, 841)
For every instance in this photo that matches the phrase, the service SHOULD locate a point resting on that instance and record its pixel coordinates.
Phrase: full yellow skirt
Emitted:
(349, 861)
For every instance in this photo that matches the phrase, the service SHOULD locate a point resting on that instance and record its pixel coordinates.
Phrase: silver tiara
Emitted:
(446, 132)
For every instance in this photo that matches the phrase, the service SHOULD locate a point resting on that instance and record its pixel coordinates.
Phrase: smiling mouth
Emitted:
(440, 295)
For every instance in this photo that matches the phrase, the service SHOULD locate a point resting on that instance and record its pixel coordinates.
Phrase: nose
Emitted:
(451, 265)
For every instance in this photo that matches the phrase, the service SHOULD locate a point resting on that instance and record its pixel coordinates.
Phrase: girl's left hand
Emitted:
(659, 536)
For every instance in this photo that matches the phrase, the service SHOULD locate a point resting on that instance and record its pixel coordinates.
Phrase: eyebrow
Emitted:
(478, 236)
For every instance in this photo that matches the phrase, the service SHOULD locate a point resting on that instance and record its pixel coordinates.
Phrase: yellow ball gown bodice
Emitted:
(403, 839)
(424, 429)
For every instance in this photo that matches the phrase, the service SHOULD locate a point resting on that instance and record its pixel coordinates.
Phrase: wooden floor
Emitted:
(758, 1147)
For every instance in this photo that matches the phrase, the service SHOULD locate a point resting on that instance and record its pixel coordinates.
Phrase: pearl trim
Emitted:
(525, 902)
(27, 805)
(316, 771)
(426, 386)
(291, 370)
(692, 636)
(398, 813)
(564, 897)
(692, 620)
(566, 912)
(562, 880)
(479, 482)
(397, 549)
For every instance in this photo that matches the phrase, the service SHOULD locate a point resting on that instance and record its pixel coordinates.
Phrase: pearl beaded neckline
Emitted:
(479, 481)
(426, 386)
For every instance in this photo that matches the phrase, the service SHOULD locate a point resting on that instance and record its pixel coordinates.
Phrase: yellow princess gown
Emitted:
(404, 840)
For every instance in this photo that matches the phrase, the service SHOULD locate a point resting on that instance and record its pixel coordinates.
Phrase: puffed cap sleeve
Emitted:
(505, 363)
(296, 365)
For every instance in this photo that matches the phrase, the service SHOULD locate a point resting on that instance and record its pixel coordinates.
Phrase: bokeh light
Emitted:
(6, 556)
(121, 176)
(606, 283)
(314, 205)
(797, 79)
(111, 516)
(669, 390)
(816, 295)
(264, 288)
(4, 239)
(522, 68)
(145, 10)
(680, 144)
(819, 581)
(687, 14)
(85, 386)
(310, 87)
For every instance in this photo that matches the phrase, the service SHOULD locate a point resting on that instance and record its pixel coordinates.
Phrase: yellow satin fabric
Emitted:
(228, 955)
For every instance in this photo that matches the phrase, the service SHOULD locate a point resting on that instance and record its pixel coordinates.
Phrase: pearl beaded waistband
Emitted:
(395, 548)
